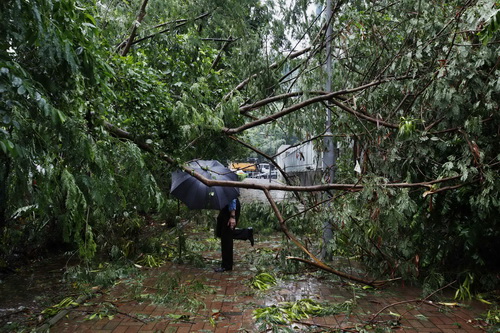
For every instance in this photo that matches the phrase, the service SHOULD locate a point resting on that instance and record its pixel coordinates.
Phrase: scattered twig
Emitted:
(61, 314)
(23, 309)
(416, 300)
(130, 316)
(115, 310)
(342, 329)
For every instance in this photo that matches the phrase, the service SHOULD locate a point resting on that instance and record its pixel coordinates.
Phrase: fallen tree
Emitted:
(414, 102)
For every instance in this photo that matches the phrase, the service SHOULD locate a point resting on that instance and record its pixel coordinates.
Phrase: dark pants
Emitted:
(227, 236)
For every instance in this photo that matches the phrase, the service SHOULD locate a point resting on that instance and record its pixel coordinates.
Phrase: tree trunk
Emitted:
(4, 175)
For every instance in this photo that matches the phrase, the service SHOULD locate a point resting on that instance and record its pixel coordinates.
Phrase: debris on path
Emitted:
(183, 298)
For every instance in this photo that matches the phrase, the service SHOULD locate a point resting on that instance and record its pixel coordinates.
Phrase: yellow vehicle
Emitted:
(246, 167)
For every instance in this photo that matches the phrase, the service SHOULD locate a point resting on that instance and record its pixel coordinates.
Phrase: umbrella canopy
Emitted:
(197, 195)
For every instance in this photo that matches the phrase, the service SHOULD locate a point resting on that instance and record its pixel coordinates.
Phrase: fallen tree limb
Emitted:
(266, 188)
(269, 187)
(255, 105)
(323, 266)
(311, 188)
(315, 261)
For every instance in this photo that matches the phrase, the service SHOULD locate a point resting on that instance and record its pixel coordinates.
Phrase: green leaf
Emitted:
(3, 146)
(61, 116)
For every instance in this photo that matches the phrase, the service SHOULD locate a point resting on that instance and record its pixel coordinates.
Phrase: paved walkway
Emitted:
(182, 298)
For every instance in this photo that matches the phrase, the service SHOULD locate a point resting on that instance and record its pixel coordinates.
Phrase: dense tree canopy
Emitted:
(94, 93)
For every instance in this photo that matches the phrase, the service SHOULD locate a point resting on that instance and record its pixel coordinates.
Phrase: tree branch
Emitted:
(315, 261)
(140, 17)
(222, 49)
(263, 187)
(321, 265)
(276, 98)
(243, 83)
(179, 23)
(310, 101)
(364, 116)
(266, 188)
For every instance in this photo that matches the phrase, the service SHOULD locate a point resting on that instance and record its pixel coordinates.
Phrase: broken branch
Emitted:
(140, 17)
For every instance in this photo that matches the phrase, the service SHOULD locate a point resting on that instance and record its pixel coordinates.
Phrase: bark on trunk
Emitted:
(4, 175)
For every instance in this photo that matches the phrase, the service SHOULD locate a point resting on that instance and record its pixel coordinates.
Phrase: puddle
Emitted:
(295, 290)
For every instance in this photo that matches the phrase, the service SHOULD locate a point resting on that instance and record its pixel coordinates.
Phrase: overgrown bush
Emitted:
(259, 216)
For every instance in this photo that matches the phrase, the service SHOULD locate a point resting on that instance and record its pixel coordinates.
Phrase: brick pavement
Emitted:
(227, 302)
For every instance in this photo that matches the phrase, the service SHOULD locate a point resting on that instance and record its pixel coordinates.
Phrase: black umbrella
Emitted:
(197, 195)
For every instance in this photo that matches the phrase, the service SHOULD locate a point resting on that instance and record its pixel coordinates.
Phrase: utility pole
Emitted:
(329, 155)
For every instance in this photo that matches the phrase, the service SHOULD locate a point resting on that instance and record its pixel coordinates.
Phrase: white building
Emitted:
(302, 161)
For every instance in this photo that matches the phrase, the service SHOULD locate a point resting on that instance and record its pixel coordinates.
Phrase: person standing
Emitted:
(226, 230)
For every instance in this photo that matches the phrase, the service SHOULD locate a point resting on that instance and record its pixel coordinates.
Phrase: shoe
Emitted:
(221, 269)
(250, 238)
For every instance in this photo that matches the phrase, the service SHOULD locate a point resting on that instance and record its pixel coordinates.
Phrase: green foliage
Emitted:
(54, 309)
(439, 234)
(491, 23)
(492, 317)
(170, 290)
(407, 127)
(150, 260)
(259, 216)
(104, 275)
(464, 290)
(105, 310)
(66, 183)
(60, 79)
(263, 281)
(287, 312)
(55, 162)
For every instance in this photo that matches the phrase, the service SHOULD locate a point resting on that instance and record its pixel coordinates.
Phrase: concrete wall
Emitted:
(300, 158)
(302, 163)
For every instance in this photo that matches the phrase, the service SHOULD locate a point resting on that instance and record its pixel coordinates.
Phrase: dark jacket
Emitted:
(223, 218)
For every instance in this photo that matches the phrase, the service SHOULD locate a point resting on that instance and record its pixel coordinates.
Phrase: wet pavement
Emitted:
(26, 291)
(184, 298)
(201, 300)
